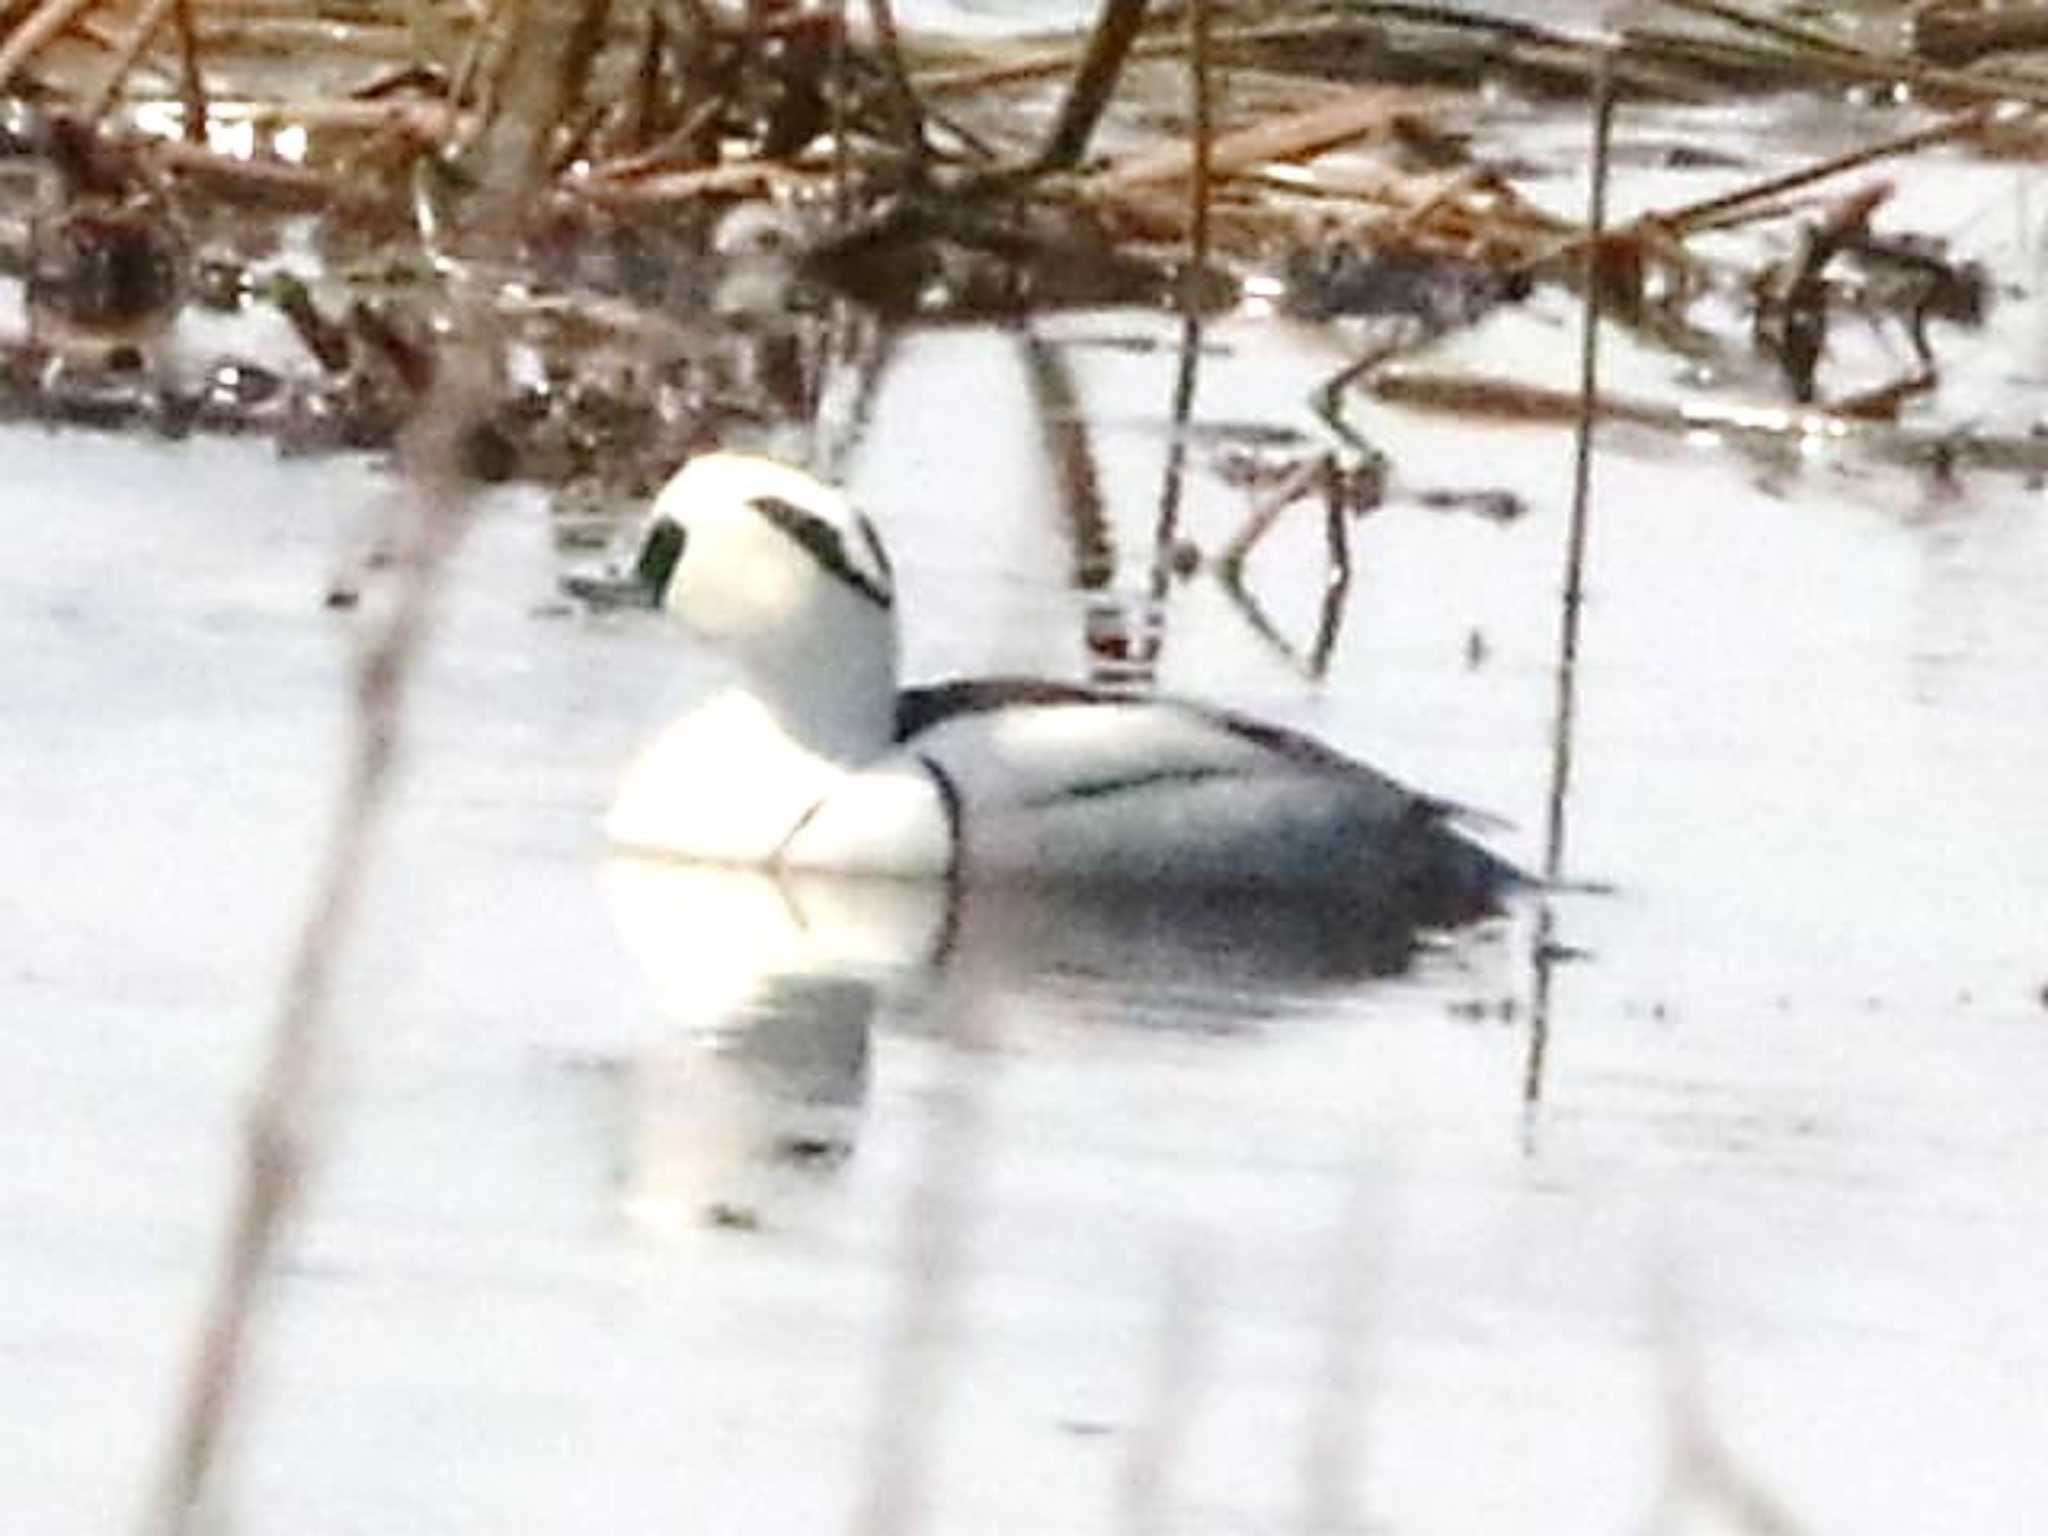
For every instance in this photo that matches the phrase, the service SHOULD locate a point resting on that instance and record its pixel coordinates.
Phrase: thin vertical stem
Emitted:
(1201, 128)
(1167, 528)
(191, 87)
(645, 109)
(1545, 949)
(1071, 456)
(1582, 479)
(279, 1137)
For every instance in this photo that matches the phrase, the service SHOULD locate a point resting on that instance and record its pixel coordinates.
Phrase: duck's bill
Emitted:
(611, 589)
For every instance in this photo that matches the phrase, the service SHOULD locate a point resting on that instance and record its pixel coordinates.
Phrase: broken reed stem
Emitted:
(278, 1136)
(1957, 38)
(1294, 485)
(1102, 62)
(1842, 58)
(1693, 216)
(1833, 58)
(1741, 204)
(146, 27)
(35, 31)
(1337, 574)
(903, 97)
(1797, 38)
(1510, 400)
(1063, 432)
(191, 90)
(191, 87)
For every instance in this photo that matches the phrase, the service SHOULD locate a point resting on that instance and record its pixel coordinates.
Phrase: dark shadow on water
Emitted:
(1223, 940)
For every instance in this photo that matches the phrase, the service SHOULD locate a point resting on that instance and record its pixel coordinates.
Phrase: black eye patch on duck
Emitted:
(824, 545)
(656, 566)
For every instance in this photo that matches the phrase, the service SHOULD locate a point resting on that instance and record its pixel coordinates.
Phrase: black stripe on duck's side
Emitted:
(1123, 784)
(950, 803)
(823, 543)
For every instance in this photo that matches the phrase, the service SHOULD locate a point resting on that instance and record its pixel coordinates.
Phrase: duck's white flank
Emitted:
(818, 761)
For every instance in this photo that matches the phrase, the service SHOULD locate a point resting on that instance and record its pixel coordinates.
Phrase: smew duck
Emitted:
(820, 760)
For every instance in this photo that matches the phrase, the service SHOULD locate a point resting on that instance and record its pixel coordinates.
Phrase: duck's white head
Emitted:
(788, 578)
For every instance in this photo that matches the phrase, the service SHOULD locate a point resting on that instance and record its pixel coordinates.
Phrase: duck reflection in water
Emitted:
(777, 997)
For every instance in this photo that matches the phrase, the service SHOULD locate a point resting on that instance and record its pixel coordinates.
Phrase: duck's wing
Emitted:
(1034, 742)
(1058, 781)
(925, 705)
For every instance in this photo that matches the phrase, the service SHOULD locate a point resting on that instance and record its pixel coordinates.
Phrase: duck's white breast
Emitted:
(725, 784)
(889, 819)
(722, 784)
